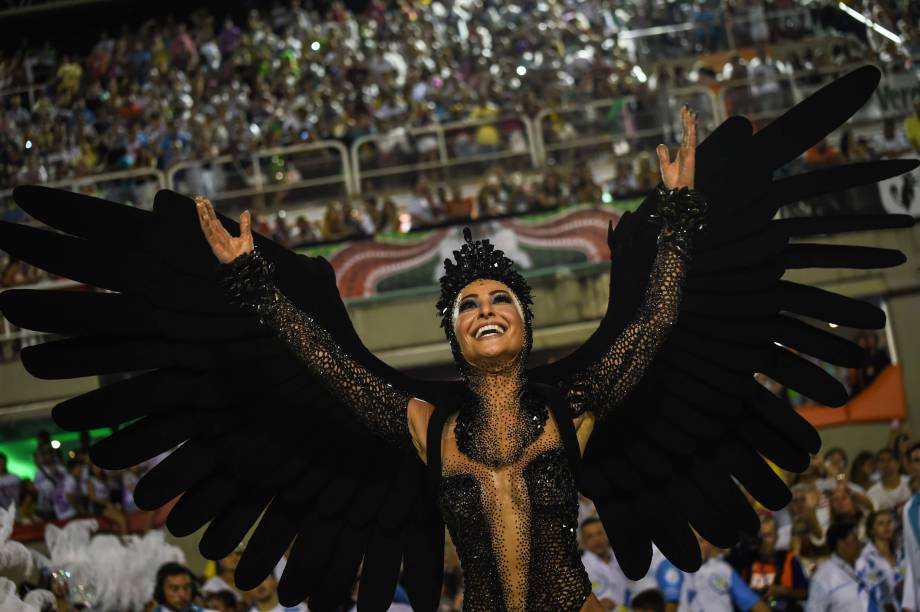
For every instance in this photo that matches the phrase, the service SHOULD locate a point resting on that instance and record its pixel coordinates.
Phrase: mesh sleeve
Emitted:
(602, 385)
(380, 406)
(605, 383)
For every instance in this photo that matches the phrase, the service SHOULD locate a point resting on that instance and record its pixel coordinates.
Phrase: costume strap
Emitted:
(563, 414)
(433, 450)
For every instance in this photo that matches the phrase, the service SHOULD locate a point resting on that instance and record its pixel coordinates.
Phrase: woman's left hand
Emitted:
(680, 172)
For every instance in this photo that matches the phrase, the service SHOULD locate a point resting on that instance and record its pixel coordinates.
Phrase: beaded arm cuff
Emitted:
(681, 213)
(380, 406)
(604, 384)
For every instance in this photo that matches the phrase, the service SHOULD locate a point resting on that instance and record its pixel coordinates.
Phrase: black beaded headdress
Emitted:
(480, 260)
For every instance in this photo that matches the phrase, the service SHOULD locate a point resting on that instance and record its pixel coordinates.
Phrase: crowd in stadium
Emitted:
(842, 512)
(175, 91)
(196, 89)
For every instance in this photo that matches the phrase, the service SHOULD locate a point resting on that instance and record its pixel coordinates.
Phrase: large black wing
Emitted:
(255, 434)
(698, 423)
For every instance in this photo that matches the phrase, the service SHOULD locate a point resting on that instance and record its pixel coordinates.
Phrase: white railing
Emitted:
(246, 181)
(447, 147)
(136, 187)
(764, 100)
(721, 31)
(581, 128)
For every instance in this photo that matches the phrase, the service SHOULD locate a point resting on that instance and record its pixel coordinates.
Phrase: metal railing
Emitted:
(135, 187)
(266, 178)
(762, 100)
(714, 31)
(453, 150)
(618, 126)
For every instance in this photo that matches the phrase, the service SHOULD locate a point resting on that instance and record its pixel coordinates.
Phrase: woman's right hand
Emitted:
(224, 246)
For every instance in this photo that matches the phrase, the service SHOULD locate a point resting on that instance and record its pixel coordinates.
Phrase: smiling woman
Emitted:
(489, 324)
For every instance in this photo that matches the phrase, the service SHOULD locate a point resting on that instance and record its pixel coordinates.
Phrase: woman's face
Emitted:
(488, 325)
(883, 527)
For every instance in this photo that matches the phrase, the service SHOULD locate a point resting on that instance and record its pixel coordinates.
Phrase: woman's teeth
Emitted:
(488, 330)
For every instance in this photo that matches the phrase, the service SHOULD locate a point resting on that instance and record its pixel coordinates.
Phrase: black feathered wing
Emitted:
(254, 429)
(668, 455)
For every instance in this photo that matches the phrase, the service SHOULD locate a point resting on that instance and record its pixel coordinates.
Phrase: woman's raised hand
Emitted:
(225, 247)
(679, 173)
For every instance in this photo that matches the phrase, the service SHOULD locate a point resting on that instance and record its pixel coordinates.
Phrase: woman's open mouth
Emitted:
(492, 329)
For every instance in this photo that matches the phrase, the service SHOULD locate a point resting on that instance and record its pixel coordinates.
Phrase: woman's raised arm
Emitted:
(601, 386)
(248, 283)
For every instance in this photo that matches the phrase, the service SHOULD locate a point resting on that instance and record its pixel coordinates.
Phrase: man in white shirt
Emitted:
(716, 587)
(224, 580)
(265, 598)
(893, 488)
(836, 587)
(663, 577)
(911, 536)
(608, 582)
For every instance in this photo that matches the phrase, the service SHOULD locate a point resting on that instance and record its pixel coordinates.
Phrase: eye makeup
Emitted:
(499, 296)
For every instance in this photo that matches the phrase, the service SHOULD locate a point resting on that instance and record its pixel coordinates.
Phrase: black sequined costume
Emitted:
(507, 492)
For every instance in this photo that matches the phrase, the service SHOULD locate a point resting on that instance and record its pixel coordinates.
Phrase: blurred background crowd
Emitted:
(200, 96)
(843, 509)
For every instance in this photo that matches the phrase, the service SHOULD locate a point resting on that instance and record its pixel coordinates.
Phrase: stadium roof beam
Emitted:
(17, 8)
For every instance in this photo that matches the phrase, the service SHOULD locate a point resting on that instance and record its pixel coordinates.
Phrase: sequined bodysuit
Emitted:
(507, 491)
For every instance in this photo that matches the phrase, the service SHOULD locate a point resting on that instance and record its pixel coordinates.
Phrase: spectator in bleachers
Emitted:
(649, 601)
(27, 512)
(221, 601)
(910, 535)
(68, 501)
(893, 488)
(806, 529)
(854, 148)
(16, 272)
(776, 575)
(836, 462)
(582, 186)
(881, 565)
(624, 183)
(48, 473)
(892, 142)
(878, 360)
(863, 471)
(224, 580)
(100, 503)
(492, 199)
(608, 582)
(647, 175)
(264, 598)
(912, 127)
(457, 207)
(823, 155)
(333, 226)
(836, 587)
(550, 192)
(422, 206)
(305, 230)
(848, 505)
(389, 218)
(10, 485)
(716, 587)
(174, 590)
(764, 76)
